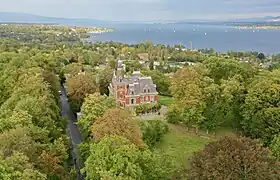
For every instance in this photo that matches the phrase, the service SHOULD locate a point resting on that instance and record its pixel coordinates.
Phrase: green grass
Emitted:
(180, 144)
(165, 100)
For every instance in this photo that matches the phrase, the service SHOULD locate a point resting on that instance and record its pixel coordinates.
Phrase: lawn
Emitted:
(165, 100)
(180, 144)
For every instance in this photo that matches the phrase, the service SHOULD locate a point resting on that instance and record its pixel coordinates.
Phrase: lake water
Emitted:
(221, 38)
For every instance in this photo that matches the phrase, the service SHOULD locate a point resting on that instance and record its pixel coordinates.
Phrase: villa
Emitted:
(130, 91)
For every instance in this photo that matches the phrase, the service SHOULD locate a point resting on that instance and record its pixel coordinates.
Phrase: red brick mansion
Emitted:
(132, 90)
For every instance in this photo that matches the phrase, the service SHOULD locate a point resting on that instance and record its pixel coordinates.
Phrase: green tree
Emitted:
(104, 79)
(275, 146)
(115, 157)
(162, 81)
(153, 131)
(261, 56)
(187, 90)
(93, 107)
(220, 68)
(261, 109)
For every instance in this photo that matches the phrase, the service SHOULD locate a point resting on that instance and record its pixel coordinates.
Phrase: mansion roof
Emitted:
(136, 83)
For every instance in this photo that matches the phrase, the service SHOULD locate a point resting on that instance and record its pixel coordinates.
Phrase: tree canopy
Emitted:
(234, 158)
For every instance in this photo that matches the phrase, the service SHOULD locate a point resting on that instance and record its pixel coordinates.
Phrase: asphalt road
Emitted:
(72, 130)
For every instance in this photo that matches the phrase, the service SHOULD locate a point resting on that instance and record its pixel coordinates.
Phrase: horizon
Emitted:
(144, 21)
(145, 10)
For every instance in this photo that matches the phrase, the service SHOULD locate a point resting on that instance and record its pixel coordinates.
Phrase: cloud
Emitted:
(144, 9)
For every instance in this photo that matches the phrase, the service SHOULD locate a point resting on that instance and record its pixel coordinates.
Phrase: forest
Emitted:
(223, 118)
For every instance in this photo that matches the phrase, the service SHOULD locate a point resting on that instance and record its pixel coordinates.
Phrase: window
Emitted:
(145, 90)
(132, 92)
(148, 90)
(132, 101)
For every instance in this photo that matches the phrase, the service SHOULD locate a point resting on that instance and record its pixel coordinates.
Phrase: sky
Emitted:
(145, 10)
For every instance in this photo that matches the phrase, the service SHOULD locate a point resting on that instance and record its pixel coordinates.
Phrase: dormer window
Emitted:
(132, 92)
(146, 89)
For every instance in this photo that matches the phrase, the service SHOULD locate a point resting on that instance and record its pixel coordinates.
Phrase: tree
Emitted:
(187, 90)
(53, 81)
(275, 146)
(93, 107)
(104, 79)
(51, 165)
(115, 157)
(79, 86)
(220, 68)
(153, 131)
(162, 81)
(72, 69)
(261, 109)
(19, 140)
(117, 122)
(234, 158)
(18, 167)
(261, 56)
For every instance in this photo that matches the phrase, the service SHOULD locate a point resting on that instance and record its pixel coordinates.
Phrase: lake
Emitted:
(221, 38)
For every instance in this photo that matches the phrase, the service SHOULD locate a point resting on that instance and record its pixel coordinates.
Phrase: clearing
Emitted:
(180, 144)
(165, 100)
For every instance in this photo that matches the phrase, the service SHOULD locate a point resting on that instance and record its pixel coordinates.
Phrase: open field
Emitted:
(181, 144)
(165, 100)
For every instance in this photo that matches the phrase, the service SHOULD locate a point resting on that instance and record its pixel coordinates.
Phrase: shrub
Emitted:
(174, 115)
(153, 131)
(146, 108)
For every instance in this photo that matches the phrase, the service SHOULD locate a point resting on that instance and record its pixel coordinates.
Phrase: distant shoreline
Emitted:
(258, 27)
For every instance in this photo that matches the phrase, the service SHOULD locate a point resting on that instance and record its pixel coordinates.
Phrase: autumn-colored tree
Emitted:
(79, 86)
(53, 82)
(233, 158)
(93, 107)
(117, 122)
(50, 164)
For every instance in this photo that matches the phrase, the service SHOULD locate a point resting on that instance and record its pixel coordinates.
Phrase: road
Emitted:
(72, 131)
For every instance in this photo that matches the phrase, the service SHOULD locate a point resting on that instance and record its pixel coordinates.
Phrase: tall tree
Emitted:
(115, 157)
(117, 122)
(104, 79)
(93, 107)
(261, 109)
(79, 86)
(234, 158)
(187, 90)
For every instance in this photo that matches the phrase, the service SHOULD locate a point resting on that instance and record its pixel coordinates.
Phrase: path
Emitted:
(72, 130)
